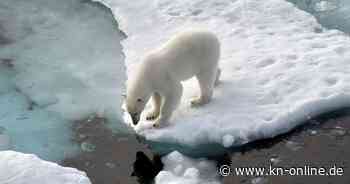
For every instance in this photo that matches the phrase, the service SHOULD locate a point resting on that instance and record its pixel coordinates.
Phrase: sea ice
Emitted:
(66, 55)
(330, 13)
(179, 169)
(19, 168)
(279, 66)
(59, 61)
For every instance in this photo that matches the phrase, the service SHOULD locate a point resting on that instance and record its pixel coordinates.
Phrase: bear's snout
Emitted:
(135, 118)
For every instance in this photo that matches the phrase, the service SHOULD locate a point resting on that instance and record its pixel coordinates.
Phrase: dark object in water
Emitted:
(146, 169)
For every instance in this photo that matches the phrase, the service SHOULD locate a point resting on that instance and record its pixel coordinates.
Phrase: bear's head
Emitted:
(138, 93)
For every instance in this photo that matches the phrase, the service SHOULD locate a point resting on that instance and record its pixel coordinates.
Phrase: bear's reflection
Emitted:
(146, 169)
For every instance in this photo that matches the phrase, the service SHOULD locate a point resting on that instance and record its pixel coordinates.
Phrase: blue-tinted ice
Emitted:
(333, 14)
(60, 61)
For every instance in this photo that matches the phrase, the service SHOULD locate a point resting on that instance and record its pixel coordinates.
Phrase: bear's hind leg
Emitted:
(206, 82)
(156, 103)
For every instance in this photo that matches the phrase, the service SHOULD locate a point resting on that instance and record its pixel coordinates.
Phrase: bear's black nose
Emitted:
(135, 118)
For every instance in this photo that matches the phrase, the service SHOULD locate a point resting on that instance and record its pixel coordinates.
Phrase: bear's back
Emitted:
(188, 52)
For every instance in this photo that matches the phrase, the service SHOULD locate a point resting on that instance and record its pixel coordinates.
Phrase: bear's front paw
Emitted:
(156, 124)
(152, 116)
(195, 102)
(160, 123)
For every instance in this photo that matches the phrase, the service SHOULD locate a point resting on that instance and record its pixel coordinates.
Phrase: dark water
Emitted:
(321, 142)
(110, 158)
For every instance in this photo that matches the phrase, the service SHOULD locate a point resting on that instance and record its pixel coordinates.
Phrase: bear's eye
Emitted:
(139, 100)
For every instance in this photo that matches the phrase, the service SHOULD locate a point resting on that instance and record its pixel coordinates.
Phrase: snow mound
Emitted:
(279, 66)
(19, 168)
(179, 169)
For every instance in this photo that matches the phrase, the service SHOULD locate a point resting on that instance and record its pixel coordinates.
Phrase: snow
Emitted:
(17, 168)
(64, 57)
(227, 140)
(279, 66)
(60, 61)
(179, 169)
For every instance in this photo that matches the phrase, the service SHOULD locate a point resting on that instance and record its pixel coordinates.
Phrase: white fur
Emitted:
(193, 53)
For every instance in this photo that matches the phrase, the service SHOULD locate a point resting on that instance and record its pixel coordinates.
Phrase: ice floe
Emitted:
(19, 168)
(279, 66)
(59, 61)
(179, 169)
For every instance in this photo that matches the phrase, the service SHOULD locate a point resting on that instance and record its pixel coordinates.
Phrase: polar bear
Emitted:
(159, 75)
